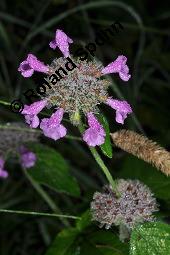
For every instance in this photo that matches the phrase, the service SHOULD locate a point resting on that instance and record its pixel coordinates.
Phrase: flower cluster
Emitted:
(134, 205)
(13, 136)
(79, 92)
(3, 172)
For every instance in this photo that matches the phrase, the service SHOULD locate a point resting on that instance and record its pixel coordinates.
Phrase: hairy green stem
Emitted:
(101, 163)
(45, 196)
(40, 214)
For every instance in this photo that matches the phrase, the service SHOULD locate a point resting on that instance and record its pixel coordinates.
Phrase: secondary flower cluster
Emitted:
(136, 204)
(13, 137)
(79, 92)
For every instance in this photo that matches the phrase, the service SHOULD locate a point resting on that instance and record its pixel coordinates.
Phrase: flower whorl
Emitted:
(135, 205)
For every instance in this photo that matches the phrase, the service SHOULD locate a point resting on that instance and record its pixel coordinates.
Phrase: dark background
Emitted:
(28, 26)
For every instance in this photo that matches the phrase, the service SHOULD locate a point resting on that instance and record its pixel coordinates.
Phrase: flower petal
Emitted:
(56, 118)
(25, 69)
(24, 66)
(120, 117)
(95, 134)
(27, 73)
(28, 158)
(54, 133)
(53, 44)
(122, 109)
(36, 64)
(3, 173)
(31, 64)
(34, 108)
(93, 138)
(32, 120)
(31, 111)
(124, 76)
(62, 41)
(51, 126)
(118, 66)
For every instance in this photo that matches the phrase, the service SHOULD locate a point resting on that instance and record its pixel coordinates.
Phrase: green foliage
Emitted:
(85, 239)
(84, 222)
(106, 147)
(108, 243)
(134, 168)
(150, 239)
(64, 243)
(52, 170)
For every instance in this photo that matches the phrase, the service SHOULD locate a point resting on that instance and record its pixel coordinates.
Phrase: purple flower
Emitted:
(3, 172)
(78, 92)
(122, 109)
(52, 127)
(28, 158)
(95, 134)
(62, 42)
(118, 66)
(31, 111)
(31, 64)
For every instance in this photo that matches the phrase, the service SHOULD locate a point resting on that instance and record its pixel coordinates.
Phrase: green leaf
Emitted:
(109, 243)
(84, 222)
(64, 243)
(150, 239)
(135, 168)
(52, 170)
(89, 248)
(107, 146)
(85, 239)
(71, 242)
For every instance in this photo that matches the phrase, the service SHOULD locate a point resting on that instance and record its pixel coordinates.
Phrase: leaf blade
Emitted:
(53, 171)
(63, 243)
(106, 147)
(150, 239)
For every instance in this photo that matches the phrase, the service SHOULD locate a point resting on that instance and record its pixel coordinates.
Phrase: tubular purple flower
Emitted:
(28, 158)
(31, 111)
(51, 126)
(95, 134)
(62, 42)
(118, 66)
(122, 109)
(31, 64)
(3, 173)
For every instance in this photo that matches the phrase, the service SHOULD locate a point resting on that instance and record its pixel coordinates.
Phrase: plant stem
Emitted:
(71, 137)
(103, 167)
(101, 163)
(45, 196)
(4, 103)
(15, 128)
(41, 214)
